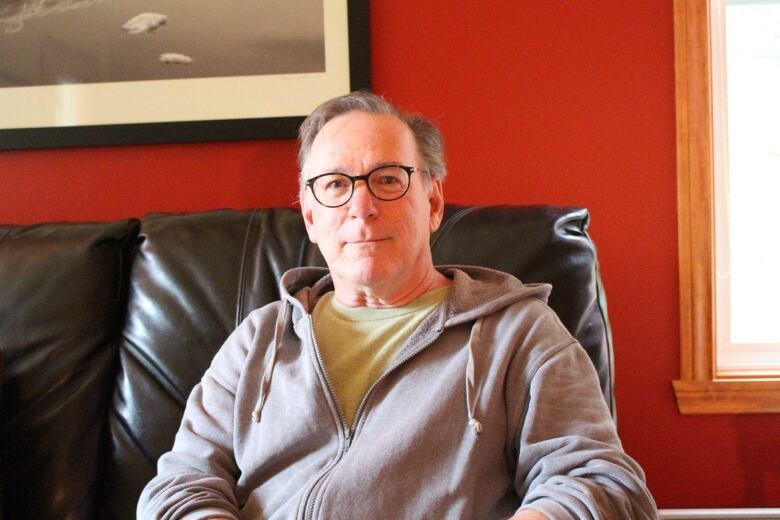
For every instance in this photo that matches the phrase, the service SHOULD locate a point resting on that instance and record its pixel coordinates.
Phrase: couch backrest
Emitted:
(62, 296)
(194, 277)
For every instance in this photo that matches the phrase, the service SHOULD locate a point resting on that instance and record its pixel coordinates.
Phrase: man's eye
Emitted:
(335, 184)
(388, 180)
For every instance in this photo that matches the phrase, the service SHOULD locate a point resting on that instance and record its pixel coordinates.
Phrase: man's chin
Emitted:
(369, 273)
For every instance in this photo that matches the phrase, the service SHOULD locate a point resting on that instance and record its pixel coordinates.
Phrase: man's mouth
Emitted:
(367, 241)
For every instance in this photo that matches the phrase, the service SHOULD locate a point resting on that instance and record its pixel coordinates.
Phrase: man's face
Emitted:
(368, 242)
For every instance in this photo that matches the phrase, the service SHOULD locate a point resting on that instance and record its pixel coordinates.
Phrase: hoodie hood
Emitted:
(480, 292)
(477, 292)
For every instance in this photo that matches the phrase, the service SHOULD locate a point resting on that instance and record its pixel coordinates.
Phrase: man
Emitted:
(385, 387)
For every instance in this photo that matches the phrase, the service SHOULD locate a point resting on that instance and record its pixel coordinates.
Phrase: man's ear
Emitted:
(436, 200)
(306, 211)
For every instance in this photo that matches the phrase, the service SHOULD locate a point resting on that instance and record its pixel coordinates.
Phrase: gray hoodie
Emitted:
(489, 407)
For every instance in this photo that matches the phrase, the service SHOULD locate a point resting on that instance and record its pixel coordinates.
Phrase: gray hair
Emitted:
(430, 142)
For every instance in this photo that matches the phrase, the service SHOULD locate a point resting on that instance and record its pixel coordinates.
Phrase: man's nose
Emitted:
(363, 203)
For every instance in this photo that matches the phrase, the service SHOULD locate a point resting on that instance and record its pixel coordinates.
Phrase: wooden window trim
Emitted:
(700, 389)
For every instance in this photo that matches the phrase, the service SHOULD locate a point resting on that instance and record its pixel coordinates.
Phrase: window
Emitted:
(727, 54)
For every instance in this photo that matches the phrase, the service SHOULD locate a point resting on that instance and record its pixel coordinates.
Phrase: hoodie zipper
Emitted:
(315, 488)
(348, 438)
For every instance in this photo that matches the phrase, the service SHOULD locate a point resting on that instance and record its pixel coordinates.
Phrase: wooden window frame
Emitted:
(700, 389)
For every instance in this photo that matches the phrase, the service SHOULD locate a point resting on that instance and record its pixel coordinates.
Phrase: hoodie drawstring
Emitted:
(471, 392)
(265, 383)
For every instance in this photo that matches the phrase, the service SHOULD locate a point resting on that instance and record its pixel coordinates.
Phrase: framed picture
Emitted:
(100, 72)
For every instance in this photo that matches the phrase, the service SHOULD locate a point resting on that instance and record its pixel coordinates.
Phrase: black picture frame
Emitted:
(203, 130)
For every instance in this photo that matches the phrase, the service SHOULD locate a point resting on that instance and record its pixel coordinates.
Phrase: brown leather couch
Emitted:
(106, 327)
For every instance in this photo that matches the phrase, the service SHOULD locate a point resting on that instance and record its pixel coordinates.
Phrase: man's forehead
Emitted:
(370, 124)
(371, 139)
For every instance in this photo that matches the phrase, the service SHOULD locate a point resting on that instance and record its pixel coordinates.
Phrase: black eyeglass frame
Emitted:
(354, 178)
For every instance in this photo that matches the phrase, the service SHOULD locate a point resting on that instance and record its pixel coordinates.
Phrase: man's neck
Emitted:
(384, 297)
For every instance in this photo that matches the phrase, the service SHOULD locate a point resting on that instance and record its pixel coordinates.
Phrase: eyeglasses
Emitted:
(388, 182)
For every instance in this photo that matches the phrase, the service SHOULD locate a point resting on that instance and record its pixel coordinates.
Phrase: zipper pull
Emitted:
(347, 439)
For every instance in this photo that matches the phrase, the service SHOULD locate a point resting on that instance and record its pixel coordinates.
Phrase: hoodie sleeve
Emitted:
(197, 478)
(571, 464)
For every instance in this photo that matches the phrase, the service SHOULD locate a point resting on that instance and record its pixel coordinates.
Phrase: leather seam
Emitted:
(151, 367)
(241, 296)
(129, 432)
(450, 223)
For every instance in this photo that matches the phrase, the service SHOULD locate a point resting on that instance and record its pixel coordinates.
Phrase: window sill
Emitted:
(742, 395)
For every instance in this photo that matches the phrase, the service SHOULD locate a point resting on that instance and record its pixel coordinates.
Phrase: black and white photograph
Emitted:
(93, 72)
(51, 42)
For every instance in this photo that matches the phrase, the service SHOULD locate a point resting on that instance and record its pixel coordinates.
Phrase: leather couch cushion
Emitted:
(63, 291)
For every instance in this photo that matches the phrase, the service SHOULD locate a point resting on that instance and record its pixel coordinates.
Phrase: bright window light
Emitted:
(748, 191)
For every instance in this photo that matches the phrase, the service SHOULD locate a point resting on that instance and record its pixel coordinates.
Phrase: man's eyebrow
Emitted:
(385, 163)
(322, 171)
(339, 169)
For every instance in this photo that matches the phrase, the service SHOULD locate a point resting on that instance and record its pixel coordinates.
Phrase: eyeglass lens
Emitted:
(386, 183)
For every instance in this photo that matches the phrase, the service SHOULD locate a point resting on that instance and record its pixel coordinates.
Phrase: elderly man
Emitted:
(384, 387)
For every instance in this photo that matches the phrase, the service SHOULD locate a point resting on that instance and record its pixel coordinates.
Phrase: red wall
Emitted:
(541, 102)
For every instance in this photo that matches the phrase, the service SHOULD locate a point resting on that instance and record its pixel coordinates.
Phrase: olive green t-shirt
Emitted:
(358, 344)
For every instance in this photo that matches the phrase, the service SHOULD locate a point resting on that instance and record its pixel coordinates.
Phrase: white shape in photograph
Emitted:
(175, 58)
(13, 14)
(144, 23)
